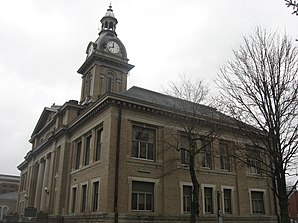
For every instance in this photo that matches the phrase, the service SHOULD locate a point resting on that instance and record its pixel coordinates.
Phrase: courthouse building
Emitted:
(107, 156)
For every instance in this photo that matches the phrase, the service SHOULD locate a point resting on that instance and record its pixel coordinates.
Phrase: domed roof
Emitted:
(105, 37)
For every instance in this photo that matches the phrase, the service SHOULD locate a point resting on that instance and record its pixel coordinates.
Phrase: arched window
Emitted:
(111, 26)
(106, 25)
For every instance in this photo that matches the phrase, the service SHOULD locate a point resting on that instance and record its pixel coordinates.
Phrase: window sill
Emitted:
(256, 175)
(143, 159)
(209, 214)
(142, 211)
(225, 170)
(206, 168)
(82, 168)
(183, 166)
(143, 162)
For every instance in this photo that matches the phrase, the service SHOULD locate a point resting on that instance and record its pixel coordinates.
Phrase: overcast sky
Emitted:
(43, 43)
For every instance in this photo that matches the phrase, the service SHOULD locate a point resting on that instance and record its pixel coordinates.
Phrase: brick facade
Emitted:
(88, 162)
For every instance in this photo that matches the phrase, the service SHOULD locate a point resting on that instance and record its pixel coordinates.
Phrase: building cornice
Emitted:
(111, 99)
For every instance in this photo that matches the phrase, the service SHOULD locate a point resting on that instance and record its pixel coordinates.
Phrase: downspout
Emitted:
(117, 164)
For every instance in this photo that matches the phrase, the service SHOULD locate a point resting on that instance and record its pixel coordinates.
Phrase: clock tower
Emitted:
(106, 66)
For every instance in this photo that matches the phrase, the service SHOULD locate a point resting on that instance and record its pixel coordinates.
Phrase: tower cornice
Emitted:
(105, 58)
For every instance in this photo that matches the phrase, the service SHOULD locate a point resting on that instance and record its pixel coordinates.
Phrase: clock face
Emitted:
(113, 47)
(90, 50)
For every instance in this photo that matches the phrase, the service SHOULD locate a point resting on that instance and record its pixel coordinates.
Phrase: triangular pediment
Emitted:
(45, 117)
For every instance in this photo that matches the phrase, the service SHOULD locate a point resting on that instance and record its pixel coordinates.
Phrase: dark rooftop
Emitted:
(171, 102)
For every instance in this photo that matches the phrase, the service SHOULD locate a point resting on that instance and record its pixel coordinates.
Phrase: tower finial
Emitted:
(110, 7)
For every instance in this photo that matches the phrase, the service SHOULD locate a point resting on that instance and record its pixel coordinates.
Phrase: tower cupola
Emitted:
(109, 22)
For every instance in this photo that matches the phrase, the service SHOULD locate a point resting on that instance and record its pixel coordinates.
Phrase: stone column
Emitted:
(39, 179)
(45, 186)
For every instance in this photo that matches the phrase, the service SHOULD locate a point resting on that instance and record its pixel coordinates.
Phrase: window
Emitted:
(110, 84)
(106, 25)
(254, 166)
(98, 144)
(184, 152)
(87, 150)
(257, 202)
(187, 198)
(95, 196)
(111, 26)
(253, 161)
(227, 196)
(84, 198)
(206, 154)
(78, 155)
(142, 196)
(208, 198)
(143, 143)
(184, 157)
(224, 157)
(73, 200)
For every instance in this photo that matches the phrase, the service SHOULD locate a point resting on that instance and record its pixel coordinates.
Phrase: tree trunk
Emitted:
(274, 197)
(195, 191)
(283, 198)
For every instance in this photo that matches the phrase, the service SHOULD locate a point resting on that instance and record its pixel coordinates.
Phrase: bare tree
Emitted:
(193, 136)
(294, 4)
(260, 86)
